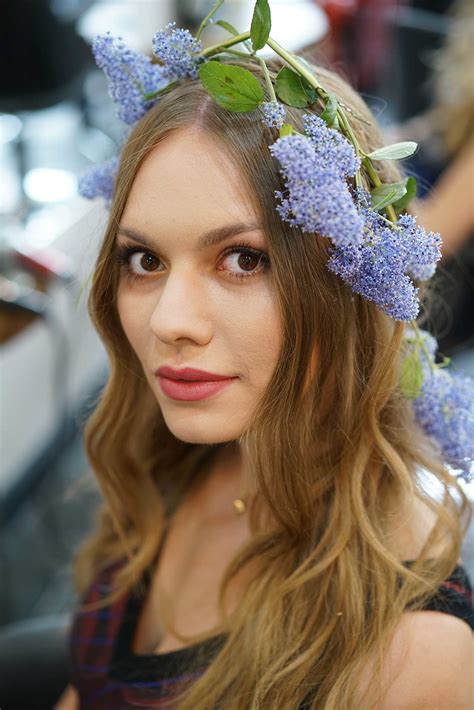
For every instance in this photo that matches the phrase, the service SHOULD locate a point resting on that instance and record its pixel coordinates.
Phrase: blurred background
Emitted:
(413, 63)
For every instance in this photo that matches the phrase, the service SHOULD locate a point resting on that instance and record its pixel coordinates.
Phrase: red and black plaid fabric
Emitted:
(104, 669)
(108, 674)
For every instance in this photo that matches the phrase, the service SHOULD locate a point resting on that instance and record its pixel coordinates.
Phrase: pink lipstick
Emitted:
(190, 384)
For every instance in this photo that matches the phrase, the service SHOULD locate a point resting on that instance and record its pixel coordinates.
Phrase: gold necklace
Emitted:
(240, 506)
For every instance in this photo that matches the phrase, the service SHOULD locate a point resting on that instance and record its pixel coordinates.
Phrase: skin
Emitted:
(194, 311)
(449, 209)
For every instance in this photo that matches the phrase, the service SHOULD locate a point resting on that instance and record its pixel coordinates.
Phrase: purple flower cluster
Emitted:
(274, 114)
(445, 410)
(334, 151)
(130, 75)
(318, 198)
(177, 49)
(445, 406)
(430, 344)
(421, 250)
(99, 181)
(379, 269)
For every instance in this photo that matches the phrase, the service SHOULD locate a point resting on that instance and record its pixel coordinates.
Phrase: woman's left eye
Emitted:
(250, 257)
(256, 260)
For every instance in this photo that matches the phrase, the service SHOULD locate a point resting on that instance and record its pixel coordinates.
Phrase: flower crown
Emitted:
(376, 247)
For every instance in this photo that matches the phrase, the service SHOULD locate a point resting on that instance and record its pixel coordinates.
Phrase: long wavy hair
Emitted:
(332, 443)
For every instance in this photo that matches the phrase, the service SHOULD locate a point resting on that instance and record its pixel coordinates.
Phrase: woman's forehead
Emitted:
(187, 178)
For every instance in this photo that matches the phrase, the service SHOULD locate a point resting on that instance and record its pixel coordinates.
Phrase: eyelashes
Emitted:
(123, 254)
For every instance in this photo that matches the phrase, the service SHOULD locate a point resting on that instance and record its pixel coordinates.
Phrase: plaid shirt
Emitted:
(109, 675)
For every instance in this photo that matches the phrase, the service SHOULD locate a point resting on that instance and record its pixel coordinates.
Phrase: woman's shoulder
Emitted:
(428, 664)
(410, 528)
(454, 596)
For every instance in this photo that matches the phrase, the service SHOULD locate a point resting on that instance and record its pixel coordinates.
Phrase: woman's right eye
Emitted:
(123, 255)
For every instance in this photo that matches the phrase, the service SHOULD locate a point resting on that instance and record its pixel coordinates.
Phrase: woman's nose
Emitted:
(179, 309)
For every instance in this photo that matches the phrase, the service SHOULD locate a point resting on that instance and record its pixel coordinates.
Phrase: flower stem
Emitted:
(293, 62)
(216, 48)
(312, 81)
(207, 18)
(239, 54)
(349, 133)
(164, 90)
(376, 182)
(268, 80)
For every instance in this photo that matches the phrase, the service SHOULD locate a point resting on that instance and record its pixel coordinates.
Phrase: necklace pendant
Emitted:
(239, 506)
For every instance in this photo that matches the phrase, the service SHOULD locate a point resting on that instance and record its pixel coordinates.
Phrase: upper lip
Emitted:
(189, 373)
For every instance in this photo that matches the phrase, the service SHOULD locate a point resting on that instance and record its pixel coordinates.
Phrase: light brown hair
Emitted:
(335, 454)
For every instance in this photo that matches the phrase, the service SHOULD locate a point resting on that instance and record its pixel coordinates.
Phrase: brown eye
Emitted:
(247, 259)
(147, 261)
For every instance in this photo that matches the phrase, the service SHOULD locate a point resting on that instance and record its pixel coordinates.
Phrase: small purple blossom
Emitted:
(317, 199)
(131, 76)
(177, 49)
(377, 274)
(445, 410)
(275, 114)
(380, 268)
(422, 250)
(99, 181)
(332, 148)
(429, 341)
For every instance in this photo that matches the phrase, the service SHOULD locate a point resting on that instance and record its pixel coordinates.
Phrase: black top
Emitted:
(107, 673)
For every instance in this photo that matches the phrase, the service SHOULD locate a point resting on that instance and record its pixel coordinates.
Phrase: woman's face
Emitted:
(199, 306)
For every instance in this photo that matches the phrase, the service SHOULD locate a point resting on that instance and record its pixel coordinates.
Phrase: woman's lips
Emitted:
(192, 390)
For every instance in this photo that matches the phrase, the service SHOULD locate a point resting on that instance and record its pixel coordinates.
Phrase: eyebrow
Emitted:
(210, 238)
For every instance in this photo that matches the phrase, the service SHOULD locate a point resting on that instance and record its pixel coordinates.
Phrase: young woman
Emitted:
(266, 539)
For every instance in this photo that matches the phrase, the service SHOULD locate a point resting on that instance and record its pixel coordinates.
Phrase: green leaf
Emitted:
(410, 185)
(293, 90)
(261, 24)
(387, 194)
(286, 130)
(234, 88)
(330, 110)
(396, 151)
(411, 380)
(227, 26)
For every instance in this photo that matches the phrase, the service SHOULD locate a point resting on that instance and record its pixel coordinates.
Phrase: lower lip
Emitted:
(192, 391)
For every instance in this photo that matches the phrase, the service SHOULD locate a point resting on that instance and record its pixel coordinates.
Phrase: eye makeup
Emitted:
(124, 253)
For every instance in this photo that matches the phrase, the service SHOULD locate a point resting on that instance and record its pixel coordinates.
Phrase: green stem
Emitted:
(293, 62)
(350, 134)
(389, 222)
(345, 123)
(348, 130)
(422, 345)
(208, 17)
(312, 81)
(246, 55)
(216, 48)
(164, 90)
(376, 182)
(268, 80)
